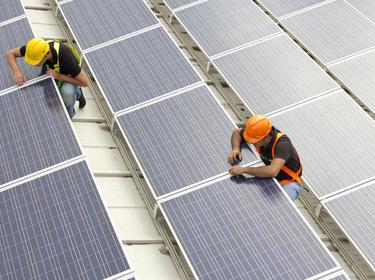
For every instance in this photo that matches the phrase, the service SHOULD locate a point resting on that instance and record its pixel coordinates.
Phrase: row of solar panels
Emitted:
(53, 221)
(229, 229)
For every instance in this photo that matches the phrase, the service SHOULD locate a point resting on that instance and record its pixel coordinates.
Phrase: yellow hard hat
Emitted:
(257, 127)
(36, 49)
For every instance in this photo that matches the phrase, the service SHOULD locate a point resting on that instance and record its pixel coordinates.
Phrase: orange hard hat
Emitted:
(257, 127)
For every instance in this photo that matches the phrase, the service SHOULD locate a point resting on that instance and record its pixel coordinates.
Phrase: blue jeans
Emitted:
(293, 190)
(70, 93)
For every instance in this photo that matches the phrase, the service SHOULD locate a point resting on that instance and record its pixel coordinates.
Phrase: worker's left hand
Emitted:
(236, 170)
(53, 73)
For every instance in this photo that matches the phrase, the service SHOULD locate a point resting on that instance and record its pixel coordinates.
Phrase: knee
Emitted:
(67, 92)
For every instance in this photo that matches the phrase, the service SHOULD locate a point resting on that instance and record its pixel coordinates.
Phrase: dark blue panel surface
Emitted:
(221, 25)
(102, 21)
(56, 227)
(181, 140)
(15, 35)
(245, 228)
(10, 9)
(141, 68)
(35, 131)
(354, 212)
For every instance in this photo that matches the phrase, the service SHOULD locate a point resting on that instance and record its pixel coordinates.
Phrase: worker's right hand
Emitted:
(18, 78)
(234, 156)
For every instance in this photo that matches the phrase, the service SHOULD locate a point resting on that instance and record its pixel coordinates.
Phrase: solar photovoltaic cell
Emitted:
(340, 277)
(35, 131)
(142, 67)
(56, 227)
(15, 35)
(354, 212)
(102, 21)
(268, 80)
(181, 141)
(332, 31)
(221, 25)
(245, 228)
(10, 9)
(173, 4)
(334, 139)
(367, 7)
(282, 8)
(357, 74)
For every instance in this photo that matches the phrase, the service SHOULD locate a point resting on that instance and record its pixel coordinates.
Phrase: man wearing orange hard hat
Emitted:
(57, 60)
(276, 151)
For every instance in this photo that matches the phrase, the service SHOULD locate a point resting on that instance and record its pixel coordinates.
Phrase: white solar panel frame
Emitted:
(332, 215)
(128, 273)
(200, 46)
(62, 164)
(158, 198)
(243, 100)
(147, 101)
(306, 181)
(336, 274)
(215, 180)
(193, 3)
(114, 40)
(16, 18)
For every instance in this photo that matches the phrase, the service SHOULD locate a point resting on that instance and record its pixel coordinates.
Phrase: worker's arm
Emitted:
(11, 56)
(79, 80)
(235, 140)
(268, 171)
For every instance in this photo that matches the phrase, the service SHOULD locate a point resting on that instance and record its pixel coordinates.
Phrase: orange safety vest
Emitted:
(295, 176)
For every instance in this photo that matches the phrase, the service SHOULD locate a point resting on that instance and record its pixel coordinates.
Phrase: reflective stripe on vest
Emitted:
(294, 175)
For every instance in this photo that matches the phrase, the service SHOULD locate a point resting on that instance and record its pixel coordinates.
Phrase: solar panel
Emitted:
(142, 67)
(337, 276)
(173, 4)
(282, 8)
(14, 35)
(332, 31)
(367, 7)
(334, 139)
(10, 9)
(354, 213)
(221, 25)
(180, 141)
(245, 228)
(35, 131)
(268, 80)
(102, 21)
(56, 227)
(358, 75)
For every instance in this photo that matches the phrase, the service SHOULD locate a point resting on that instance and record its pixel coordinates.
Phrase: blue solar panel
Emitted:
(268, 80)
(56, 227)
(181, 140)
(173, 4)
(142, 67)
(334, 139)
(10, 9)
(245, 228)
(102, 21)
(35, 131)
(14, 35)
(354, 212)
(221, 25)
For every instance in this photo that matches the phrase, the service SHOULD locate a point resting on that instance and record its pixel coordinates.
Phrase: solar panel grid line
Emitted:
(301, 11)
(80, 200)
(129, 14)
(367, 7)
(339, 275)
(350, 56)
(26, 84)
(205, 50)
(119, 39)
(11, 9)
(12, 20)
(222, 210)
(190, 167)
(191, 4)
(146, 50)
(359, 11)
(364, 224)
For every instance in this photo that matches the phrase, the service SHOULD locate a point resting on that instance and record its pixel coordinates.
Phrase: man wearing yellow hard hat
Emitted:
(276, 151)
(57, 60)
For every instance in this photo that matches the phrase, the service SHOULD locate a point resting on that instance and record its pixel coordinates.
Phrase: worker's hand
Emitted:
(53, 74)
(18, 78)
(234, 156)
(236, 170)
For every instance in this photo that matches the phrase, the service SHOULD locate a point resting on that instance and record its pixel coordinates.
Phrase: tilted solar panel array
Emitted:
(53, 222)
